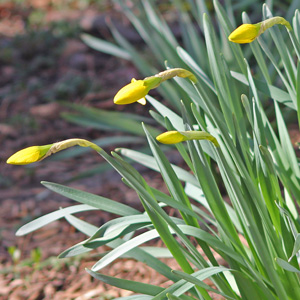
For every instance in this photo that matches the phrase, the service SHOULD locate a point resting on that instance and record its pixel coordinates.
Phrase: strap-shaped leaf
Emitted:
(105, 46)
(53, 216)
(135, 297)
(81, 225)
(125, 284)
(296, 248)
(286, 266)
(195, 67)
(127, 246)
(96, 201)
(150, 162)
(198, 277)
(269, 90)
(119, 226)
(176, 121)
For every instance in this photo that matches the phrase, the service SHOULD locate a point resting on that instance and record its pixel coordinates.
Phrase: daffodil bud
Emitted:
(37, 153)
(174, 137)
(29, 155)
(247, 33)
(171, 137)
(137, 90)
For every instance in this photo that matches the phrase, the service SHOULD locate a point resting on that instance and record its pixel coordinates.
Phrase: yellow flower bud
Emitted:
(245, 33)
(174, 137)
(171, 137)
(29, 155)
(37, 153)
(136, 90)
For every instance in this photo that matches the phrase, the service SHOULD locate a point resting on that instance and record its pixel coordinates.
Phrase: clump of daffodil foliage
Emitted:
(216, 119)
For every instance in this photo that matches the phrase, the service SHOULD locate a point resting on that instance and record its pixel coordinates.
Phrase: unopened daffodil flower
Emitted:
(174, 137)
(247, 33)
(137, 90)
(37, 153)
(29, 155)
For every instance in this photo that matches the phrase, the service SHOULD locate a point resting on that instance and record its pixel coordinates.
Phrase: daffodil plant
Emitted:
(246, 245)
